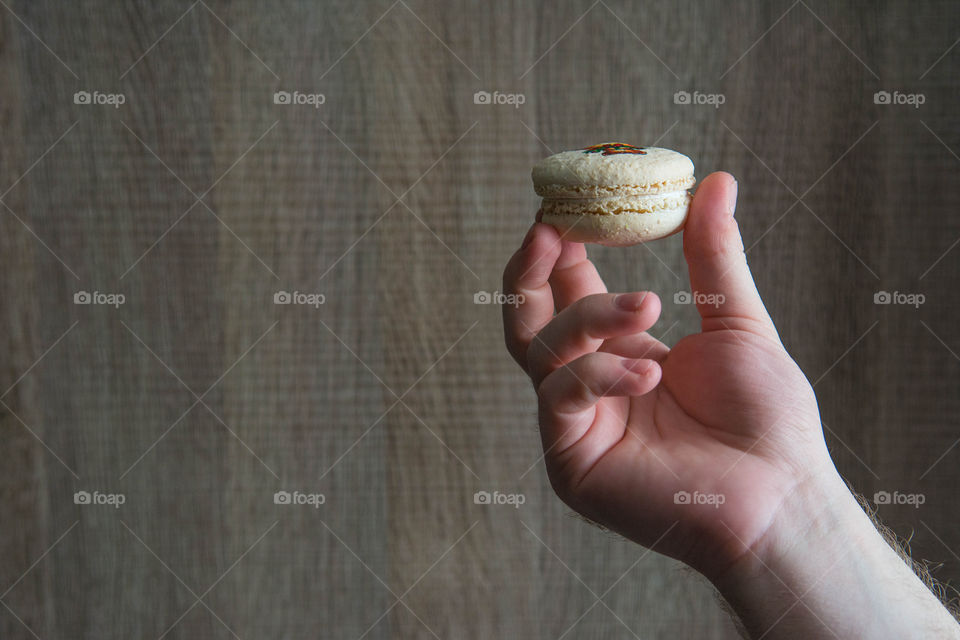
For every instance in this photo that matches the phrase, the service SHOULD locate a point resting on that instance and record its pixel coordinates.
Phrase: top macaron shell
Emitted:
(579, 174)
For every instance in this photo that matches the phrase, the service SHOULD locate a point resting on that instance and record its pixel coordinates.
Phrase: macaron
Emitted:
(614, 193)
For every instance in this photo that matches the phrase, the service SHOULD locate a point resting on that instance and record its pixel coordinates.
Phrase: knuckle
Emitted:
(563, 482)
(516, 350)
(592, 300)
(535, 353)
(574, 383)
(552, 386)
(724, 243)
(584, 314)
(566, 478)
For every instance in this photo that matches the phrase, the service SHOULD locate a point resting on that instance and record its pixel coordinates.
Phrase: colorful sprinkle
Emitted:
(613, 148)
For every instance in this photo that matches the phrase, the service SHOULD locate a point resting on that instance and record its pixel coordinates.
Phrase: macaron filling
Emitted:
(615, 204)
(557, 191)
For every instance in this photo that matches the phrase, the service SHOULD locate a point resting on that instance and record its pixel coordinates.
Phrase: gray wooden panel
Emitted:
(399, 198)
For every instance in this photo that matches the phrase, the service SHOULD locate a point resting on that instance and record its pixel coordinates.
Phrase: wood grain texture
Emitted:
(399, 198)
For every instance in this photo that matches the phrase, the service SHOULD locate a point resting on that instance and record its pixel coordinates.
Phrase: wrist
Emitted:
(822, 570)
(818, 515)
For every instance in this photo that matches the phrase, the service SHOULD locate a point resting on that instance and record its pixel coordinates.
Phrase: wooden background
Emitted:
(398, 199)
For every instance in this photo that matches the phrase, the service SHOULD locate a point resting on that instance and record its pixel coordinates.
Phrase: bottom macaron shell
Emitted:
(618, 230)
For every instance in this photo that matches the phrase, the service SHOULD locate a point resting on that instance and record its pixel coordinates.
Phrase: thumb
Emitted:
(721, 282)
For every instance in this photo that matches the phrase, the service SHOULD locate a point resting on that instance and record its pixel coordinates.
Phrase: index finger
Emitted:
(574, 276)
(528, 275)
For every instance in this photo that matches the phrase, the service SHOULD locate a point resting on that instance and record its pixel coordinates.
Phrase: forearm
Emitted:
(822, 570)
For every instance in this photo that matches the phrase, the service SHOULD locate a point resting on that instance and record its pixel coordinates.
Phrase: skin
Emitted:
(627, 423)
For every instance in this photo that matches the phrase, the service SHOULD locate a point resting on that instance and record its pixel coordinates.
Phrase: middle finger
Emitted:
(583, 326)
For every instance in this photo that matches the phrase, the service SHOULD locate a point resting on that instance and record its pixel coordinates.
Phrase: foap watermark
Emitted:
(99, 98)
(485, 97)
(697, 297)
(298, 297)
(712, 499)
(495, 497)
(299, 498)
(299, 98)
(912, 499)
(98, 297)
(710, 99)
(485, 297)
(897, 297)
(899, 98)
(114, 500)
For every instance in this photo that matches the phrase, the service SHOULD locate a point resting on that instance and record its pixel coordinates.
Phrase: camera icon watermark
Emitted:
(299, 498)
(496, 498)
(99, 298)
(298, 297)
(96, 97)
(897, 98)
(911, 499)
(115, 500)
(697, 498)
(909, 299)
(697, 98)
(299, 98)
(696, 297)
(486, 297)
(485, 97)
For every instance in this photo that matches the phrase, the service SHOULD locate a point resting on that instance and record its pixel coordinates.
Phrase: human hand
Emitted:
(631, 428)
(725, 420)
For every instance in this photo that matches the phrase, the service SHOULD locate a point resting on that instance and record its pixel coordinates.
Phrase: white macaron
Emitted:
(614, 193)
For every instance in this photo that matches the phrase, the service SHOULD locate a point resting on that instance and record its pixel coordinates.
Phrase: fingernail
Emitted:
(630, 301)
(636, 366)
(527, 239)
(732, 202)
